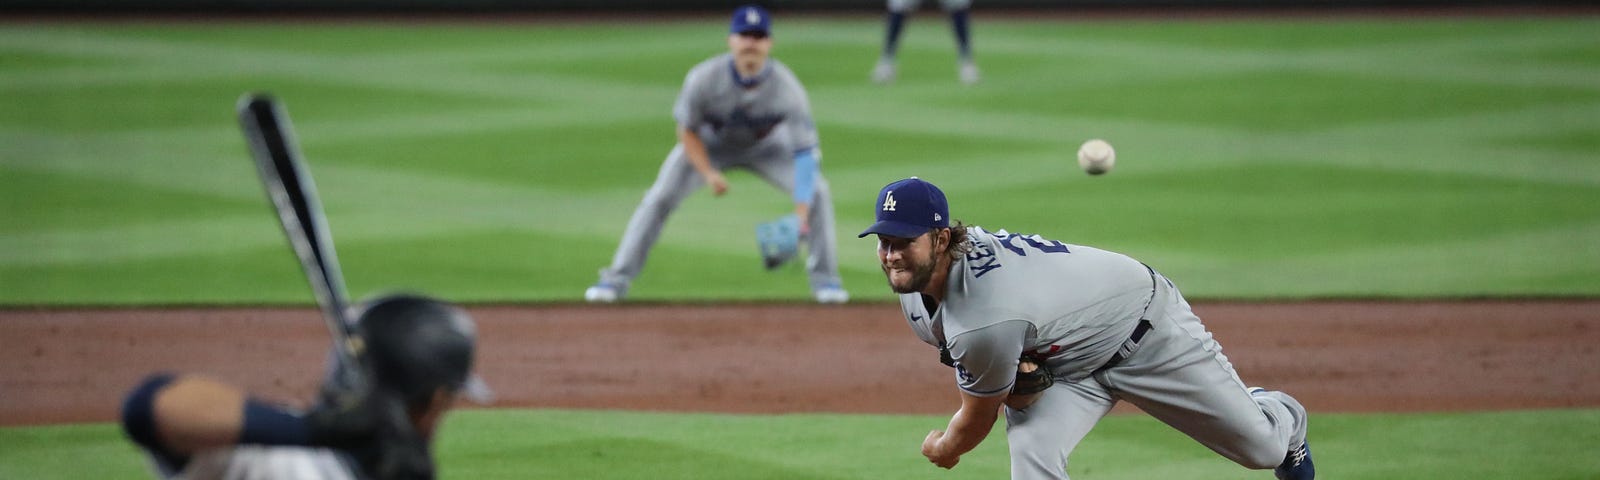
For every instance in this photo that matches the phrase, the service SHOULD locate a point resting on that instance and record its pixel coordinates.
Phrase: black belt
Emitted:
(1126, 350)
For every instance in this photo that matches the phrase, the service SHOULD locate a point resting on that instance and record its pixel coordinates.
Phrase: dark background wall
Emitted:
(646, 6)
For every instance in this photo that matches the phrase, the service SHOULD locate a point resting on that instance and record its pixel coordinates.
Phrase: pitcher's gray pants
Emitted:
(1178, 375)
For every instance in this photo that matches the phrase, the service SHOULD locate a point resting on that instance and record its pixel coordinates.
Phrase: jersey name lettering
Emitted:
(981, 259)
(1033, 241)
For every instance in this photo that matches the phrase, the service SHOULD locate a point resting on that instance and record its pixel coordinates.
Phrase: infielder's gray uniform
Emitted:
(259, 462)
(759, 125)
(1075, 307)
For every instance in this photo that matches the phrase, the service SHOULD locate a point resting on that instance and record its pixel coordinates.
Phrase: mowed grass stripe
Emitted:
(1446, 268)
(935, 114)
(1021, 149)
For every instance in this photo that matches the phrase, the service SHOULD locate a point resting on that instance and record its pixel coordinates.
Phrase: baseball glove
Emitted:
(1032, 380)
(779, 240)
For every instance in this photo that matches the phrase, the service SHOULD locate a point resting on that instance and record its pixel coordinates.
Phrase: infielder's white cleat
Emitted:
(884, 72)
(969, 73)
(831, 294)
(602, 293)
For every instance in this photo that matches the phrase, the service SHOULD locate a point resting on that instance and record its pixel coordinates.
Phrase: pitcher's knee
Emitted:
(1261, 456)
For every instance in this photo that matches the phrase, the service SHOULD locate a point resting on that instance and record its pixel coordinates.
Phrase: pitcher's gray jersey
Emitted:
(732, 115)
(258, 462)
(1075, 307)
(1070, 305)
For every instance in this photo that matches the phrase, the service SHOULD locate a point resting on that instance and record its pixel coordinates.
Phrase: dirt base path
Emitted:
(74, 365)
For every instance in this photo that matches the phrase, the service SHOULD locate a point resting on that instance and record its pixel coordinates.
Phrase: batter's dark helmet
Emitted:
(417, 345)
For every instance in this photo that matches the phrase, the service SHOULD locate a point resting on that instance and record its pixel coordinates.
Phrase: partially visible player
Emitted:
(741, 109)
(960, 27)
(419, 356)
(1105, 328)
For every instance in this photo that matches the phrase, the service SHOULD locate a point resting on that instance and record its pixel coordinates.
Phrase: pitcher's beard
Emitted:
(921, 274)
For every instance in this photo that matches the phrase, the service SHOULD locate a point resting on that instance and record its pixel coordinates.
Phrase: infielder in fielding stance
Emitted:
(420, 352)
(741, 109)
(960, 27)
(1058, 334)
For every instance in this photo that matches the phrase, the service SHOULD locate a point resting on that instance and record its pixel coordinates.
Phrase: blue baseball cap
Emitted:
(909, 208)
(750, 18)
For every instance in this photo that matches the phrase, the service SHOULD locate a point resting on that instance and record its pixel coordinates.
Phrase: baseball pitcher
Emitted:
(1059, 333)
(746, 110)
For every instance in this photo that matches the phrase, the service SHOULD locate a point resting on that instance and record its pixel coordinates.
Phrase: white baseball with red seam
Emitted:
(1096, 157)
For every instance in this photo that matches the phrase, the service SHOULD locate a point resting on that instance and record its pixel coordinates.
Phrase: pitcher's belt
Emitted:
(1126, 350)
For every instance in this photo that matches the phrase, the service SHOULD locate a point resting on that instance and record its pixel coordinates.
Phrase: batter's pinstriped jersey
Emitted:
(256, 462)
(732, 113)
(1069, 304)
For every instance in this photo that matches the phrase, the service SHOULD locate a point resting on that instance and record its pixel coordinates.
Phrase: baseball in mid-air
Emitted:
(1096, 156)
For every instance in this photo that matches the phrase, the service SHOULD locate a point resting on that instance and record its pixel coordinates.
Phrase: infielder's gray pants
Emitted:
(1179, 376)
(678, 179)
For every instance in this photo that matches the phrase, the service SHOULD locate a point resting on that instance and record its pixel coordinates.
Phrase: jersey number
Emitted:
(1035, 241)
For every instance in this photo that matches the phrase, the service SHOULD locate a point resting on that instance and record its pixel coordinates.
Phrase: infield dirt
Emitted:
(73, 365)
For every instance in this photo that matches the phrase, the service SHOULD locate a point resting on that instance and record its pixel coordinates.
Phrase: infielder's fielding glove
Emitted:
(779, 240)
(1032, 379)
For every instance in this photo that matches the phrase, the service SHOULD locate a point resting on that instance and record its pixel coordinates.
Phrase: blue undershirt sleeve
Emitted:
(805, 175)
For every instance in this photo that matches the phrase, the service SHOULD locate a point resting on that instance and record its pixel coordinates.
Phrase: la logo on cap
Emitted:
(888, 201)
(752, 17)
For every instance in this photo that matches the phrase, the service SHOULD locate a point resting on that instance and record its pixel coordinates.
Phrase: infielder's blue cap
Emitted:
(750, 18)
(909, 208)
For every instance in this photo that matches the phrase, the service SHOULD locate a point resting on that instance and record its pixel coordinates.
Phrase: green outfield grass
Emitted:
(1257, 159)
(1284, 158)
(486, 444)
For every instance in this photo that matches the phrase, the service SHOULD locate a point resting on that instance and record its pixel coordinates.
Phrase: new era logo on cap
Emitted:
(909, 208)
(750, 18)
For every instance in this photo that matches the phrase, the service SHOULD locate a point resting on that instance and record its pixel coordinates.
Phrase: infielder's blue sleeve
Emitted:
(686, 109)
(805, 176)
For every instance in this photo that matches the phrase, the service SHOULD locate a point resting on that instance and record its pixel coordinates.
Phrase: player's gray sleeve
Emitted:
(986, 358)
(798, 125)
(688, 109)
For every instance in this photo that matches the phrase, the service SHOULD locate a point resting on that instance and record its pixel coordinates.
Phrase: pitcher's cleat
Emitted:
(1297, 464)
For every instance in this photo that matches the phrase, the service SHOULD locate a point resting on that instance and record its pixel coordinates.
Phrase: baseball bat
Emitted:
(294, 196)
